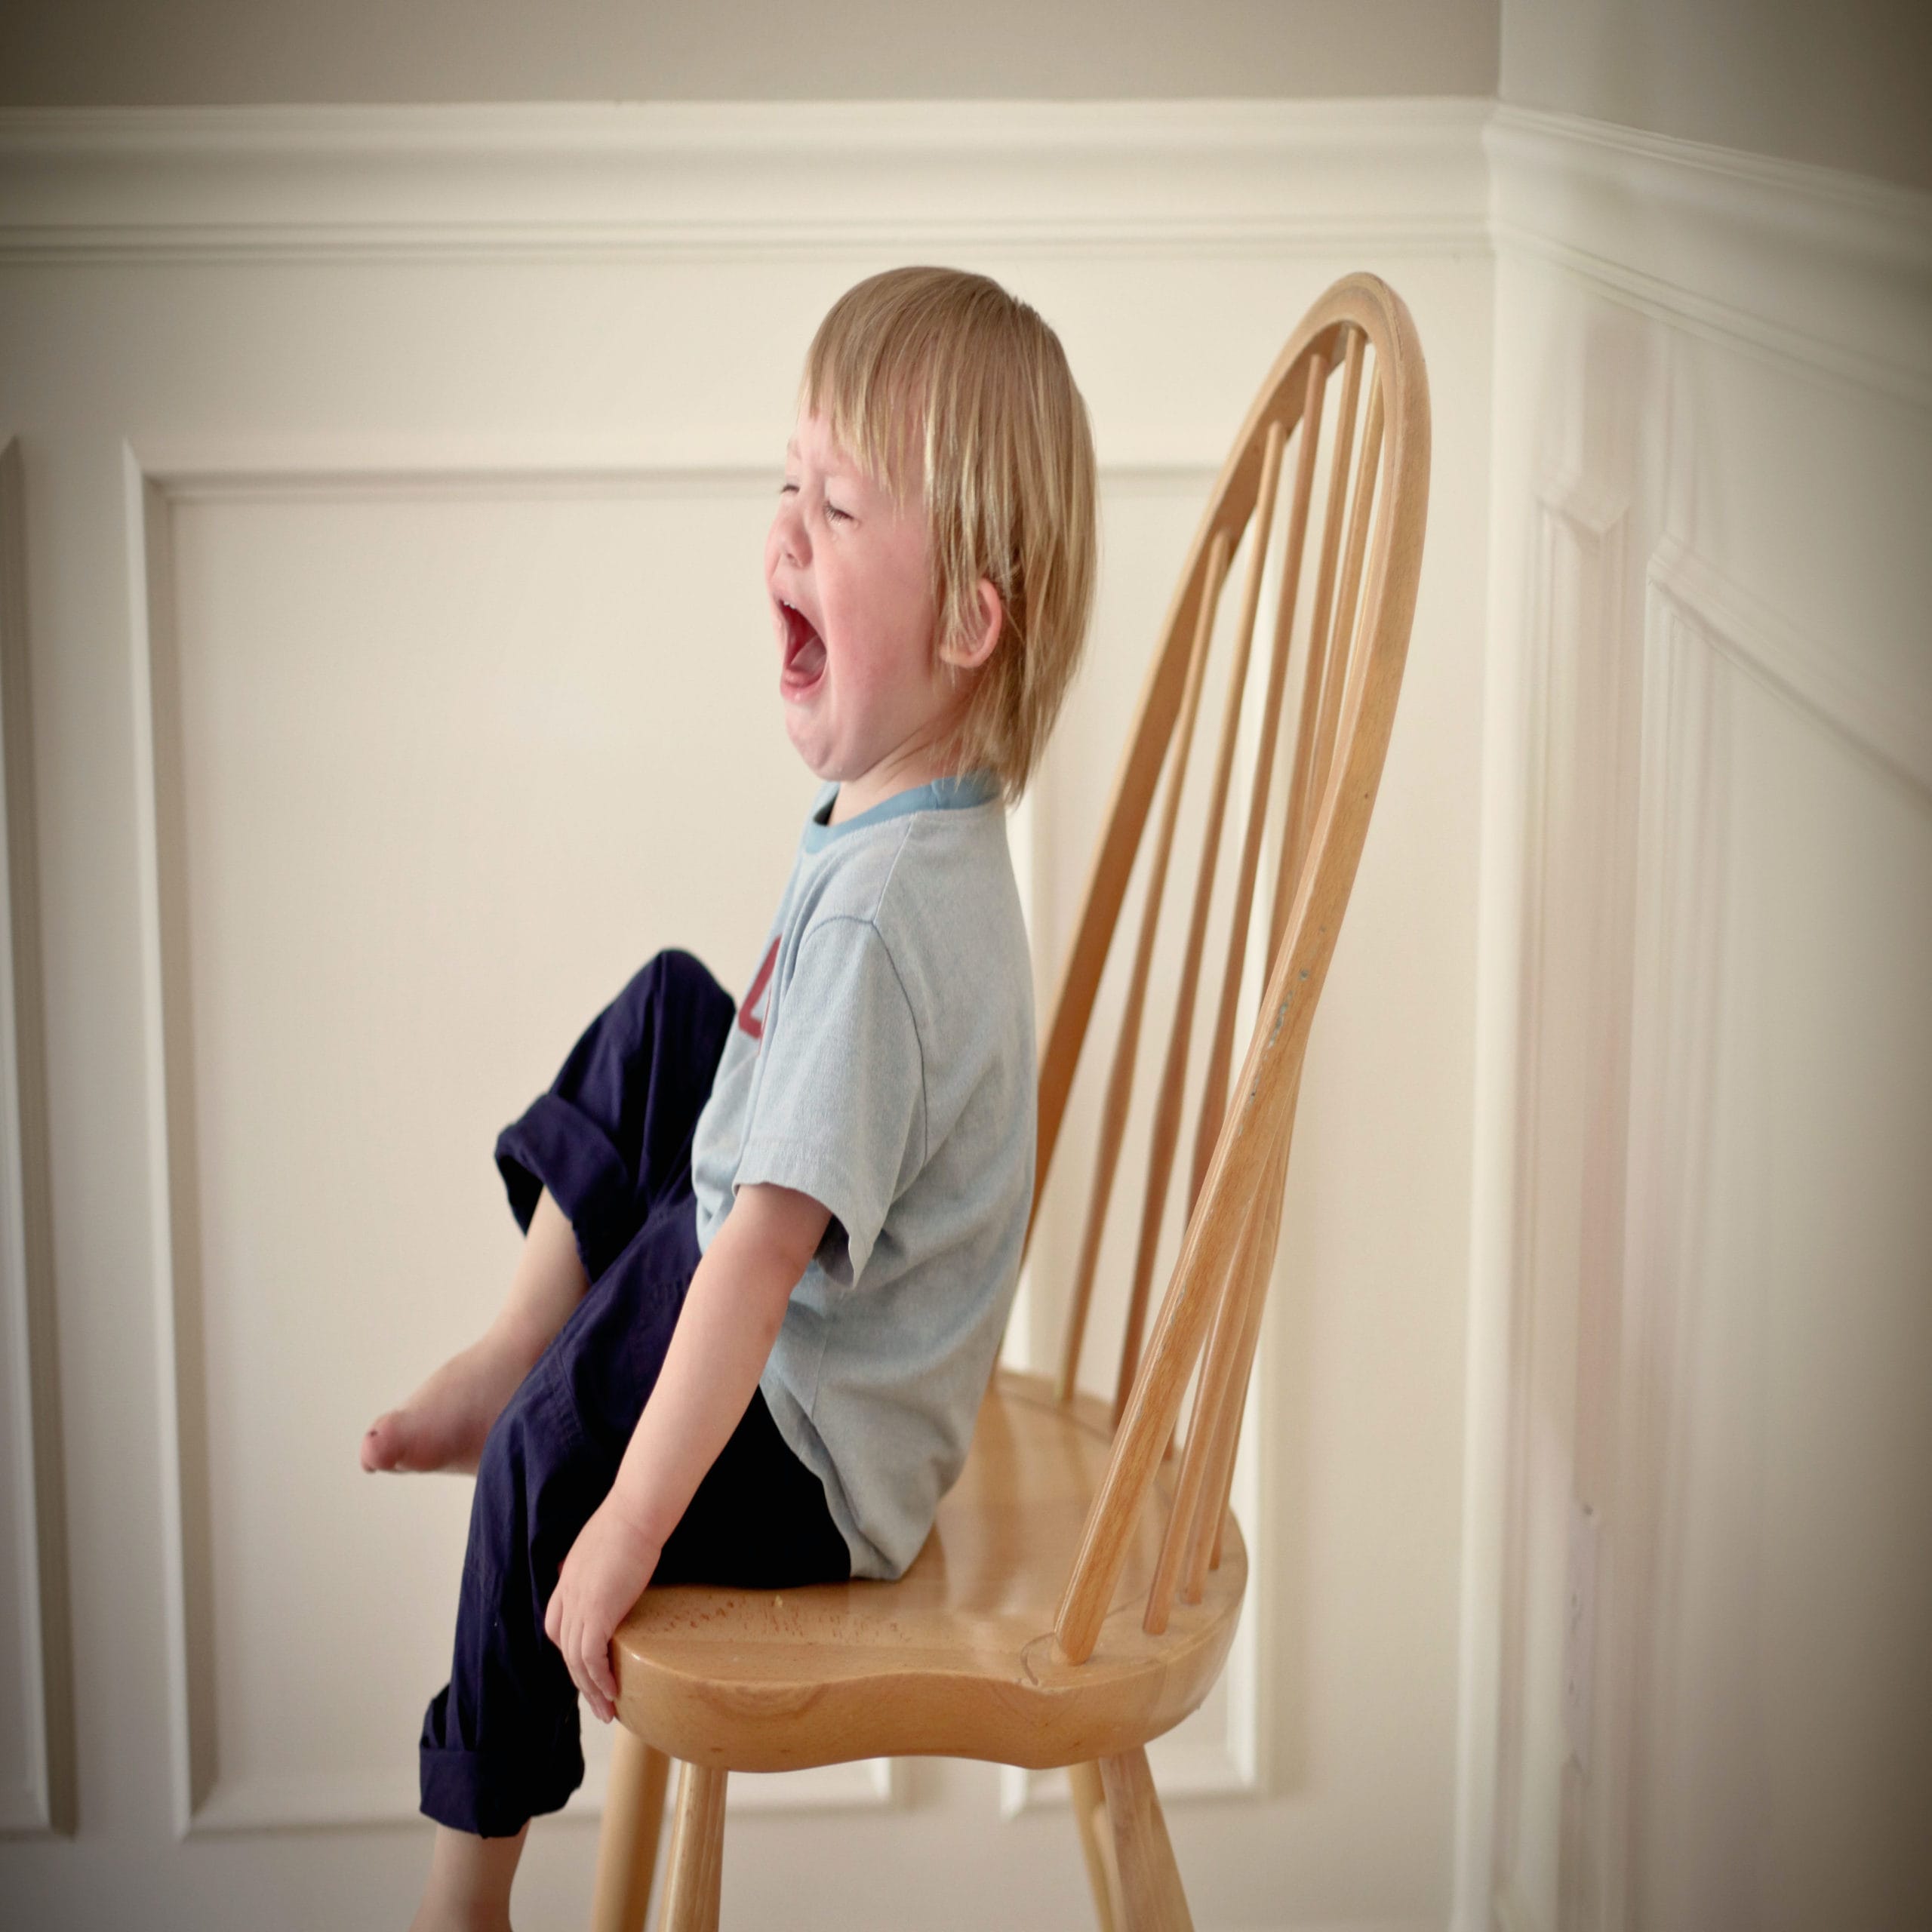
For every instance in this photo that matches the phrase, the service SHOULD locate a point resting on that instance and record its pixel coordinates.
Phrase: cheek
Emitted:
(916, 595)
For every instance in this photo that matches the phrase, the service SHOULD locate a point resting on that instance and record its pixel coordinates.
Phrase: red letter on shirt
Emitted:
(747, 1019)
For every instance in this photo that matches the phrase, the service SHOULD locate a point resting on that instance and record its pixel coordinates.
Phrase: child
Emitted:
(792, 1223)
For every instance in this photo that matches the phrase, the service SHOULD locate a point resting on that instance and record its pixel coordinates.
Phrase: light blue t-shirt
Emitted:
(882, 1062)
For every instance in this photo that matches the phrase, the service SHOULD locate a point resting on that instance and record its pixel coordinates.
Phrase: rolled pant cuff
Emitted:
(494, 1794)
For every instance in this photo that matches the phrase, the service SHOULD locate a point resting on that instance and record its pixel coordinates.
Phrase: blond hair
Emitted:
(950, 365)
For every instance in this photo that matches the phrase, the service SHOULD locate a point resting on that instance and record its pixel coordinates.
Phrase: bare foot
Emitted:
(443, 1425)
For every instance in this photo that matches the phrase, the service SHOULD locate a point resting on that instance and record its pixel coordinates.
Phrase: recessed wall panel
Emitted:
(451, 764)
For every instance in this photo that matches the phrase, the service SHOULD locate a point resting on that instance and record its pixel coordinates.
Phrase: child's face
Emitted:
(849, 574)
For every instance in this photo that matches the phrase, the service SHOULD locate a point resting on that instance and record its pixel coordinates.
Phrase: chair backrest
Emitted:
(1344, 622)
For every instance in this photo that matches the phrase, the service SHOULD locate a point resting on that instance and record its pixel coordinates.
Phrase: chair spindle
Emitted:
(1220, 1052)
(1248, 1298)
(1207, 1250)
(1207, 1330)
(1192, 1481)
(1204, 1532)
(1342, 626)
(1166, 1131)
(1229, 1374)
(1312, 677)
(1120, 1083)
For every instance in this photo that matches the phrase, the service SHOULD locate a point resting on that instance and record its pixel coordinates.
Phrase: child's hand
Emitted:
(605, 1574)
(732, 1311)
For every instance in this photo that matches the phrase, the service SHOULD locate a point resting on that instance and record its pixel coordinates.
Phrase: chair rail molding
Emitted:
(719, 181)
(1825, 271)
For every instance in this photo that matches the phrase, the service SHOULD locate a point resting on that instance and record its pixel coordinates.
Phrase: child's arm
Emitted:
(731, 1316)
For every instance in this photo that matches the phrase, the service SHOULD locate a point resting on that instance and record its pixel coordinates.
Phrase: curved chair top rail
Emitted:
(1314, 786)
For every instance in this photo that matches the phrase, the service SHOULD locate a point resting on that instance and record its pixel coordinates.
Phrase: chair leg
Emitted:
(697, 1852)
(1152, 1899)
(633, 1822)
(1096, 1844)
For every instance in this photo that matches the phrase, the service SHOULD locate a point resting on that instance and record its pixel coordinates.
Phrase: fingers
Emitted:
(590, 1671)
(602, 1709)
(597, 1661)
(586, 1656)
(598, 1582)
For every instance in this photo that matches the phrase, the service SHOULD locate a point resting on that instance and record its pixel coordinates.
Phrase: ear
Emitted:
(969, 652)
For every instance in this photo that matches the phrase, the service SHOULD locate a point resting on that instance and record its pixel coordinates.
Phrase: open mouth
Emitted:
(804, 652)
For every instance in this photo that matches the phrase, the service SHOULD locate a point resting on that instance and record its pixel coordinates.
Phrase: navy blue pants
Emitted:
(611, 1141)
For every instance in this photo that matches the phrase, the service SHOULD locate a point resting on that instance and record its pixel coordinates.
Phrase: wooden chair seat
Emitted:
(957, 1658)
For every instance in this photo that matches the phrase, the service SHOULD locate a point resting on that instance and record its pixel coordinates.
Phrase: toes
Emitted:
(385, 1446)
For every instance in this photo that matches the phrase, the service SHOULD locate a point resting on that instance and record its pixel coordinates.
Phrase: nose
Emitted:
(789, 538)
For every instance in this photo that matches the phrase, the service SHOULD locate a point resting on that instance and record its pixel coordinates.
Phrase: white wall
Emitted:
(1845, 86)
(390, 487)
(121, 52)
(1702, 1304)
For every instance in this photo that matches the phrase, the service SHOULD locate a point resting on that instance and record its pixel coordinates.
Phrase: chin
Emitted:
(815, 761)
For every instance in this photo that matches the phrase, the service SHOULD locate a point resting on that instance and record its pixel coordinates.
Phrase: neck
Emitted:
(932, 754)
(885, 780)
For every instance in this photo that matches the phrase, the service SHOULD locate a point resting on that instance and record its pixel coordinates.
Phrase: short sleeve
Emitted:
(839, 1113)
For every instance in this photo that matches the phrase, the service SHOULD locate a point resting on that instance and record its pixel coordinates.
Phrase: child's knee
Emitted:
(668, 974)
(644, 993)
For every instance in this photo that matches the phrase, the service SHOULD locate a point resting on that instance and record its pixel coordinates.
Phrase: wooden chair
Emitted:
(1080, 1590)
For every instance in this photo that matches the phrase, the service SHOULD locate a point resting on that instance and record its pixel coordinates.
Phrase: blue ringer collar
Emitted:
(971, 788)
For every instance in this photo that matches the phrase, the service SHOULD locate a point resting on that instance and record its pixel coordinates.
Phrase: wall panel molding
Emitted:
(1228, 1761)
(1886, 719)
(1683, 799)
(37, 1770)
(1814, 288)
(180, 1461)
(206, 1800)
(242, 470)
(727, 181)
(299, 1800)
(1579, 531)
(1827, 272)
